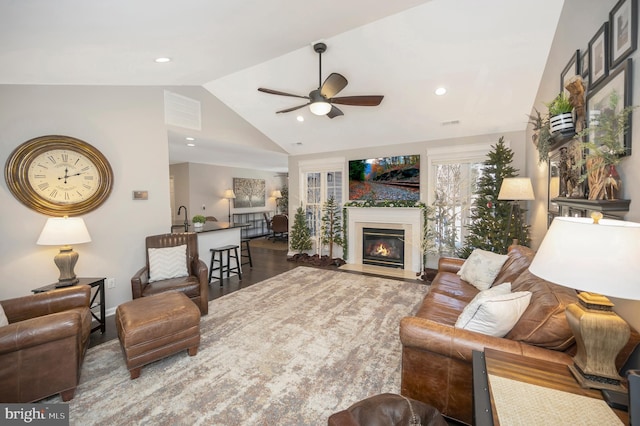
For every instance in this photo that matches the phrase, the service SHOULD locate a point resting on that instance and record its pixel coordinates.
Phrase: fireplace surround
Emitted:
(408, 219)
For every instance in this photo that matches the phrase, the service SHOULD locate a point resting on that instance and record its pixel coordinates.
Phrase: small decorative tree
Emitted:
(489, 216)
(331, 229)
(300, 239)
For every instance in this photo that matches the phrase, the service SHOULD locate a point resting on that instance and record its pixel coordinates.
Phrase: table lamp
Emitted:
(277, 194)
(64, 231)
(595, 256)
(229, 195)
(516, 189)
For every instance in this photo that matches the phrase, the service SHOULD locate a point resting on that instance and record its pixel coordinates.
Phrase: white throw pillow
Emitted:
(3, 318)
(497, 315)
(481, 268)
(168, 262)
(471, 309)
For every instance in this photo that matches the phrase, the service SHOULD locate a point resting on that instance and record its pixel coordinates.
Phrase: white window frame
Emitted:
(324, 166)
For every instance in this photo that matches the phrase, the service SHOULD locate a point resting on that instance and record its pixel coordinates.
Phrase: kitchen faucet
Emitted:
(186, 218)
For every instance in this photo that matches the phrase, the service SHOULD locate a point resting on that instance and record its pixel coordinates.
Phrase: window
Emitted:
(452, 182)
(319, 182)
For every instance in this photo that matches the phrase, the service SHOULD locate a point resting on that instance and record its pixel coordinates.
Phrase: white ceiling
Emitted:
(489, 54)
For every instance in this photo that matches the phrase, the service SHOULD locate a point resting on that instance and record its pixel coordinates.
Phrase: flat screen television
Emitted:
(385, 179)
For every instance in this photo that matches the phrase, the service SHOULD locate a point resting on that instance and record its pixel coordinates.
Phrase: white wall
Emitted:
(206, 185)
(127, 125)
(578, 24)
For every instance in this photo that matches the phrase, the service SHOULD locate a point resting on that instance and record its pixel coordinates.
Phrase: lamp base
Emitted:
(600, 335)
(66, 261)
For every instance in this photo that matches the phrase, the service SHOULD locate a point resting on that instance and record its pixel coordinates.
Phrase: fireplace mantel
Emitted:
(407, 218)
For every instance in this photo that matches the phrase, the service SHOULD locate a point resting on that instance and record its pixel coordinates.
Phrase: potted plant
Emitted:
(560, 114)
(604, 150)
(198, 221)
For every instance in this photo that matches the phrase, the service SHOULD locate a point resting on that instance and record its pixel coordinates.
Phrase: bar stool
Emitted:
(245, 251)
(221, 266)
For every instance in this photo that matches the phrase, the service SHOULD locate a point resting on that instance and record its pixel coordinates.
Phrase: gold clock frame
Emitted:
(17, 167)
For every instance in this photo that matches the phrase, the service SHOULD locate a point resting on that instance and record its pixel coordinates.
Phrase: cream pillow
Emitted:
(481, 268)
(497, 315)
(470, 310)
(3, 318)
(168, 262)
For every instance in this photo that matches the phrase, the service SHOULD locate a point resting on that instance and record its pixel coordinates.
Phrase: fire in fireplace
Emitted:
(383, 247)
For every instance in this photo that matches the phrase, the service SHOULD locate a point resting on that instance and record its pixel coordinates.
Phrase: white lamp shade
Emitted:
(62, 231)
(599, 258)
(518, 188)
(320, 108)
(229, 194)
(277, 194)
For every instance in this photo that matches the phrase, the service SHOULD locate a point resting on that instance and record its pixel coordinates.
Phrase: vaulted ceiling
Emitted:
(488, 54)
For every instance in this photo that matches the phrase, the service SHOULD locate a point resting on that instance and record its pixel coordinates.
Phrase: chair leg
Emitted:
(238, 265)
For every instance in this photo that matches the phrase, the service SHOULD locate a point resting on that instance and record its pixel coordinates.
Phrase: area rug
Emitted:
(290, 350)
(278, 245)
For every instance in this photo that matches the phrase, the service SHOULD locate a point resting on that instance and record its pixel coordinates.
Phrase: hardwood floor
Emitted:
(266, 264)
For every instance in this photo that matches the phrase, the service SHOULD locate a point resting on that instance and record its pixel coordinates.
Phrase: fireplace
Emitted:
(383, 247)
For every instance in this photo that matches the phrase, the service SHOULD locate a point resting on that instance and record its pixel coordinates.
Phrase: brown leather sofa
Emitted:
(436, 356)
(195, 285)
(42, 348)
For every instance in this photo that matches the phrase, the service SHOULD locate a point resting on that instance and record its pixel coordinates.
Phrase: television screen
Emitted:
(385, 179)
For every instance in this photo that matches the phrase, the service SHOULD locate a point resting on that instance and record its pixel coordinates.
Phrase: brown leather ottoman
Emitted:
(154, 327)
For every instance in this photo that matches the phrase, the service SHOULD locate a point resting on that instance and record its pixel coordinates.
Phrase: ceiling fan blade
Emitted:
(292, 108)
(372, 100)
(276, 92)
(335, 112)
(332, 85)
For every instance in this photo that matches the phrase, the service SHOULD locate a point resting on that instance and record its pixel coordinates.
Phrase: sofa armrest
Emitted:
(202, 272)
(426, 335)
(39, 331)
(449, 264)
(139, 282)
(45, 303)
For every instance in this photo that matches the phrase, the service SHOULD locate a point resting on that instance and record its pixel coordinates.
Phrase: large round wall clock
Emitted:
(59, 175)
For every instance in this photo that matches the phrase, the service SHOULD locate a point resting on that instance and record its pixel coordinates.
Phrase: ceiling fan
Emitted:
(321, 100)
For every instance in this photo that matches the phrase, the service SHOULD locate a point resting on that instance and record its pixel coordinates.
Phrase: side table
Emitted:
(98, 284)
(525, 370)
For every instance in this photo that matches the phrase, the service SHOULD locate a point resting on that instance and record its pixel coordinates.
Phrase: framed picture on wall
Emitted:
(584, 65)
(623, 23)
(598, 55)
(249, 192)
(598, 101)
(570, 70)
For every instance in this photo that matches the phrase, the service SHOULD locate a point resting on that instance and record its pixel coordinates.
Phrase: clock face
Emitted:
(59, 175)
(63, 176)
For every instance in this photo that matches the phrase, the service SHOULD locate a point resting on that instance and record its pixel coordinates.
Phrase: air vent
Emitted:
(181, 111)
(450, 123)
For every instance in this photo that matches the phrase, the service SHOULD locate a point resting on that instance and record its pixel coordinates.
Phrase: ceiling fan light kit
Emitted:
(322, 99)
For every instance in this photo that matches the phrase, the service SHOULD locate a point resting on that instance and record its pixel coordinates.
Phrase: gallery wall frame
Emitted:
(570, 70)
(623, 27)
(598, 99)
(599, 55)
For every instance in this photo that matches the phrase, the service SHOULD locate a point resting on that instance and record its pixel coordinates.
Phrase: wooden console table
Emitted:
(98, 284)
(524, 370)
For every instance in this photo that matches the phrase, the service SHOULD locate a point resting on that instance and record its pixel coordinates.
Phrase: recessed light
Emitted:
(189, 138)
(163, 60)
(300, 118)
(441, 91)
(191, 144)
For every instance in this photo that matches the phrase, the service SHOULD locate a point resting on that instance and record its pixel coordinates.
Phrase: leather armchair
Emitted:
(42, 348)
(195, 285)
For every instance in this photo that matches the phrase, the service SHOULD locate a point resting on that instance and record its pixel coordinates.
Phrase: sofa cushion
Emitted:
(497, 314)
(168, 262)
(481, 268)
(519, 259)
(544, 322)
